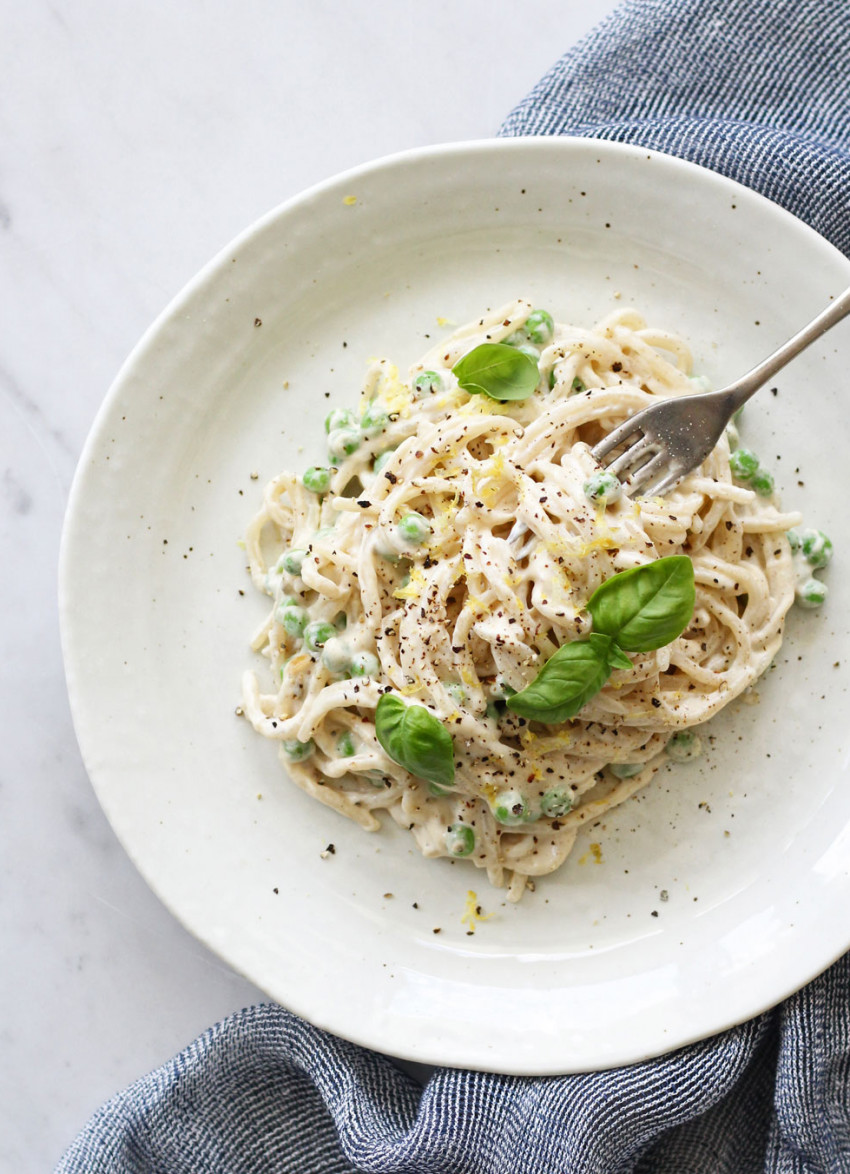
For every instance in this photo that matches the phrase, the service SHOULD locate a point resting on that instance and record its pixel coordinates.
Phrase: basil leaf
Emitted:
(617, 659)
(567, 681)
(603, 644)
(415, 739)
(646, 607)
(497, 370)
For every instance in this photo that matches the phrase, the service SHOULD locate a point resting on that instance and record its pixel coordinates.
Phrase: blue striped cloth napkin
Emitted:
(758, 90)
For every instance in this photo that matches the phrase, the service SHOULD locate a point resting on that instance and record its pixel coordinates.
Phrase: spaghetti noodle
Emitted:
(451, 550)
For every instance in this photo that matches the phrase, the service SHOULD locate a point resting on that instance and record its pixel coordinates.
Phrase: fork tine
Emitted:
(648, 473)
(614, 439)
(632, 457)
(666, 483)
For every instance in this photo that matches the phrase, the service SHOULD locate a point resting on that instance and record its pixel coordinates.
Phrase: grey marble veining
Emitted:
(136, 141)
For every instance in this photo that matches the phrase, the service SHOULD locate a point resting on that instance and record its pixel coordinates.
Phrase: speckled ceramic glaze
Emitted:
(708, 898)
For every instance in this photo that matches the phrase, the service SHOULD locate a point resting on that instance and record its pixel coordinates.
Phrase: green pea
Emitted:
(414, 528)
(293, 560)
(345, 745)
(342, 442)
(762, 481)
(518, 338)
(744, 464)
(684, 746)
(364, 664)
(373, 420)
(817, 548)
(577, 386)
(552, 378)
(701, 383)
(317, 633)
(336, 654)
(539, 326)
(297, 751)
(793, 540)
(381, 460)
(812, 593)
(531, 351)
(603, 488)
(317, 479)
(460, 839)
(557, 802)
(428, 383)
(510, 808)
(625, 770)
(339, 418)
(294, 619)
(733, 437)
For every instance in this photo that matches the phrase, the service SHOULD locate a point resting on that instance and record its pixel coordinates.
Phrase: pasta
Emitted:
(451, 549)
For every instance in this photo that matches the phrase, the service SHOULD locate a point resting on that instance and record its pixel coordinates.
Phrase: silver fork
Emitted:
(666, 440)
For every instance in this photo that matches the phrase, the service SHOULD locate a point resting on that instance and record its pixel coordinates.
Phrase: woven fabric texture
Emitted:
(265, 1093)
(757, 90)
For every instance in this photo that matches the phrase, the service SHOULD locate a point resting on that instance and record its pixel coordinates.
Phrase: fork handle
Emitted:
(741, 390)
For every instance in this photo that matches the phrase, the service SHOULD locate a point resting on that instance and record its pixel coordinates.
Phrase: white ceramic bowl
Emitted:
(719, 890)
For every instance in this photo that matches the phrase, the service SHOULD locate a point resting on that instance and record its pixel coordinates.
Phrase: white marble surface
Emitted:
(137, 139)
